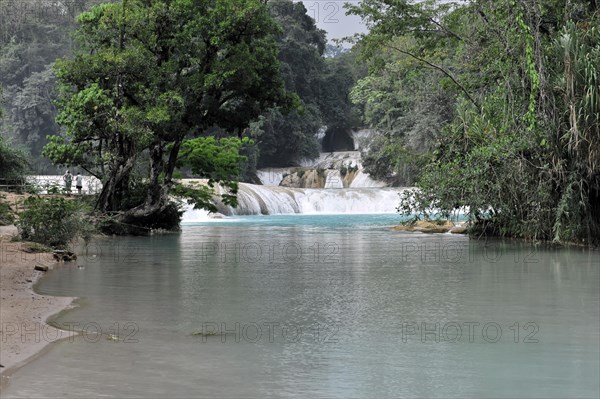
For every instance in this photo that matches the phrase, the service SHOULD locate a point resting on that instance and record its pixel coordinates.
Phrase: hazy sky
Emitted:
(331, 16)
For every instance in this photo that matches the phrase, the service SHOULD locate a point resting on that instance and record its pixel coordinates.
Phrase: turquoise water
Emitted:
(323, 221)
(322, 306)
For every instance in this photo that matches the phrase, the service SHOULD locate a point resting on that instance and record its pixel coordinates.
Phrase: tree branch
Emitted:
(439, 68)
(448, 31)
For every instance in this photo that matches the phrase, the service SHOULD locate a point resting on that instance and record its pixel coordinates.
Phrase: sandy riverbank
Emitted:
(23, 313)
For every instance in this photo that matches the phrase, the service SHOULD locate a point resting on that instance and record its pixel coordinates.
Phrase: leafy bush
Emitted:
(33, 188)
(54, 188)
(53, 221)
(6, 213)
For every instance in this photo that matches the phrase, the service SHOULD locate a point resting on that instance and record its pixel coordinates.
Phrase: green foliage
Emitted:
(519, 148)
(284, 137)
(7, 216)
(213, 158)
(54, 222)
(151, 73)
(577, 83)
(407, 108)
(217, 160)
(13, 162)
(199, 195)
(55, 188)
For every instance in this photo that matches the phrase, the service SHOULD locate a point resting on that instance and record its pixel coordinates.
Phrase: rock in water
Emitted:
(426, 226)
(64, 256)
(41, 268)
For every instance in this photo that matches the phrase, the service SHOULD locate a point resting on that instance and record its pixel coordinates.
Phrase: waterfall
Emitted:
(272, 176)
(333, 179)
(363, 179)
(331, 164)
(271, 200)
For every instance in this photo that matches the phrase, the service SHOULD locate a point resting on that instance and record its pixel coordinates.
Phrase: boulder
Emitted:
(41, 268)
(463, 229)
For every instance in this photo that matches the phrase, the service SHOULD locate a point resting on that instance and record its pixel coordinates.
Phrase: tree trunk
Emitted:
(156, 211)
(115, 186)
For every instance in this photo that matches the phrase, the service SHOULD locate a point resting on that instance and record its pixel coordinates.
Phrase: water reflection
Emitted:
(342, 310)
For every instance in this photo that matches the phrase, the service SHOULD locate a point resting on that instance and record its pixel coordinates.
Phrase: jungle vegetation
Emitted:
(488, 107)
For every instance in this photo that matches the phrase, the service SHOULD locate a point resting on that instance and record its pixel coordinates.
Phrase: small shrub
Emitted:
(6, 214)
(53, 221)
(33, 188)
(54, 188)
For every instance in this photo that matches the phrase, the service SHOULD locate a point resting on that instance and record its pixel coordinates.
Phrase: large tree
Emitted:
(286, 137)
(150, 73)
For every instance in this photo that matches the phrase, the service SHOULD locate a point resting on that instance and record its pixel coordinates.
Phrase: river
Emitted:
(334, 306)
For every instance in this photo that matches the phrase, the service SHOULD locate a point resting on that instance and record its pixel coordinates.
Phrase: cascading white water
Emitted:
(333, 179)
(332, 163)
(191, 215)
(257, 200)
(363, 179)
(272, 176)
(45, 183)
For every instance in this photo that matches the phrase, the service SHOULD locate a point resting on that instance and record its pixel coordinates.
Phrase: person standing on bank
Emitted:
(68, 178)
(79, 182)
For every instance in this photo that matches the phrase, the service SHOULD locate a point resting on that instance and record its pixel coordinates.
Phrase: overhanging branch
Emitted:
(439, 68)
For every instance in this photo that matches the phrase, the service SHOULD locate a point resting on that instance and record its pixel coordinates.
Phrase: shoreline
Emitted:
(24, 330)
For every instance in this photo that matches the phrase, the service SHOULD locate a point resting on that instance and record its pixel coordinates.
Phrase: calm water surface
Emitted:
(322, 306)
